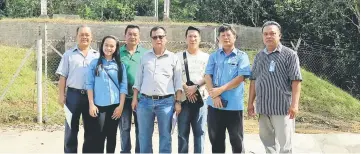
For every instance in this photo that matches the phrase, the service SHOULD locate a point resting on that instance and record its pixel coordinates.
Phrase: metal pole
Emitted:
(46, 101)
(43, 9)
(168, 8)
(165, 10)
(215, 40)
(156, 8)
(39, 55)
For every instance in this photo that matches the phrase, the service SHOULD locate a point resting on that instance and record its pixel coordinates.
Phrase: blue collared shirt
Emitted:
(105, 91)
(224, 68)
(73, 66)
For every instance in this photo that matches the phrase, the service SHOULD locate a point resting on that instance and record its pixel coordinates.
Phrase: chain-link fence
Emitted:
(18, 84)
(53, 113)
(328, 63)
(18, 72)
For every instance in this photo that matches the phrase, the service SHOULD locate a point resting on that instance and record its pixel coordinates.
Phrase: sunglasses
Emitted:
(159, 36)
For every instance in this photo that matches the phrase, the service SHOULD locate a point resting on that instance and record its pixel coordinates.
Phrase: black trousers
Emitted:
(78, 104)
(105, 128)
(218, 122)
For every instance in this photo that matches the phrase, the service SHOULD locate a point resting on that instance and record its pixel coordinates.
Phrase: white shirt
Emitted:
(196, 68)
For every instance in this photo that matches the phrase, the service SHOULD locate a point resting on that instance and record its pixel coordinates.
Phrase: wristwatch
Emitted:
(197, 85)
(178, 102)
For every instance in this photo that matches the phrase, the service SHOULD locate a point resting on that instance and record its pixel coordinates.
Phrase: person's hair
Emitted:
(192, 28)
(155, 29)
(268, 23)
(226, 27)
(115, 55)
(129, 27)
(80, 27)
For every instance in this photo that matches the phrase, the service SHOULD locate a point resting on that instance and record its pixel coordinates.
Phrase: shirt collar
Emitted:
(124, 48)
(76, 48)
(278, 48)
(166, 52)
(234, 51)
(103, 58)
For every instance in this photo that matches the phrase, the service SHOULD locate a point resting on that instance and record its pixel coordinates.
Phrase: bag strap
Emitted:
(111, 79)
(186, 65)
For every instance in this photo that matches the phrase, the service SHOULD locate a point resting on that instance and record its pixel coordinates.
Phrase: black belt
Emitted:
(156, 97)
(82, 91)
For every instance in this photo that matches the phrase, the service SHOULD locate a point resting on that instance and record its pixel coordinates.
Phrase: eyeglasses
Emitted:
(159, 36)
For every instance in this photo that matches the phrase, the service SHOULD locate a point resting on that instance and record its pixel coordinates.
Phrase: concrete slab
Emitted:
(15, 141)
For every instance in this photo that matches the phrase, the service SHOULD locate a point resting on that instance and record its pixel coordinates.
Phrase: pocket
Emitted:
(165, 74)
(232, 70)
(141, 98)
(170, 100)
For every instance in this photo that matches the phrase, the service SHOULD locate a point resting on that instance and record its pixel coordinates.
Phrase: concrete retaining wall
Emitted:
(25, 33)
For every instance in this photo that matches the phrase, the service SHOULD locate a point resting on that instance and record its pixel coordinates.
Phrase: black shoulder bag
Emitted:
(106, 72)
(199, 103)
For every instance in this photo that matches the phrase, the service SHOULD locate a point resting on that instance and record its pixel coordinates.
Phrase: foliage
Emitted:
(326, 27)
(21, 8)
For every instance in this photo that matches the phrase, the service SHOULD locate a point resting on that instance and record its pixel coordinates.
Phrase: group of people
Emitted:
(108, 86)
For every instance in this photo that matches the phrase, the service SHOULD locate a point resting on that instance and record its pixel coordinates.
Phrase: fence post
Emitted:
(215, 40)
(39, 72)
(46, 97)
(295, 48)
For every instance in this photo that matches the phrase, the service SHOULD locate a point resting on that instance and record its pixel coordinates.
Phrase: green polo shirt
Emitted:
(131, 63)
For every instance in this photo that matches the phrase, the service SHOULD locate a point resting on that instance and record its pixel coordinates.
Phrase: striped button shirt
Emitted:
(273, 74)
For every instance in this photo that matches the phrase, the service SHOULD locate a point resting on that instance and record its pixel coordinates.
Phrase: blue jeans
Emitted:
(147, 110)
(125, 124)
(196, 118)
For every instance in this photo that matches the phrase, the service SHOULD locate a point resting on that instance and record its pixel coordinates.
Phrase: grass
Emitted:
(323, 107)
(19, 103)
(84, 21)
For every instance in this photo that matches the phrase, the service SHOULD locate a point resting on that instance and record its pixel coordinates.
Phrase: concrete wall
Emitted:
(25, 33)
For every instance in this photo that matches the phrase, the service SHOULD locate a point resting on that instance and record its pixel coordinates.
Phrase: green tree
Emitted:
(329, 28)
(183, 10)
(22, 8)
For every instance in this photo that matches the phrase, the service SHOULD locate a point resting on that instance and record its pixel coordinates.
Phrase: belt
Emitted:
(82, 91)
(156, 97)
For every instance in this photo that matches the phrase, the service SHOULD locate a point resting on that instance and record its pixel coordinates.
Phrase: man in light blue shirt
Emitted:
(225, 73)
(159, 81)
(72, 71)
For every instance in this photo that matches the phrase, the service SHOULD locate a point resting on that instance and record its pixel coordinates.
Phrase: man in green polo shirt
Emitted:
(130, 55)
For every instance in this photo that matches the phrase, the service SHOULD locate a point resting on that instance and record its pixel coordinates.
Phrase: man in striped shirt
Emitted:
(276, 85)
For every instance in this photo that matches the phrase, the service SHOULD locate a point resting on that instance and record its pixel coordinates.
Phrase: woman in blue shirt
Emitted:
(107, 86)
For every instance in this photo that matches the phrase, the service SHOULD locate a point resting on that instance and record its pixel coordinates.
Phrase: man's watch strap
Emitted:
(178, 102)
(197, 85)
